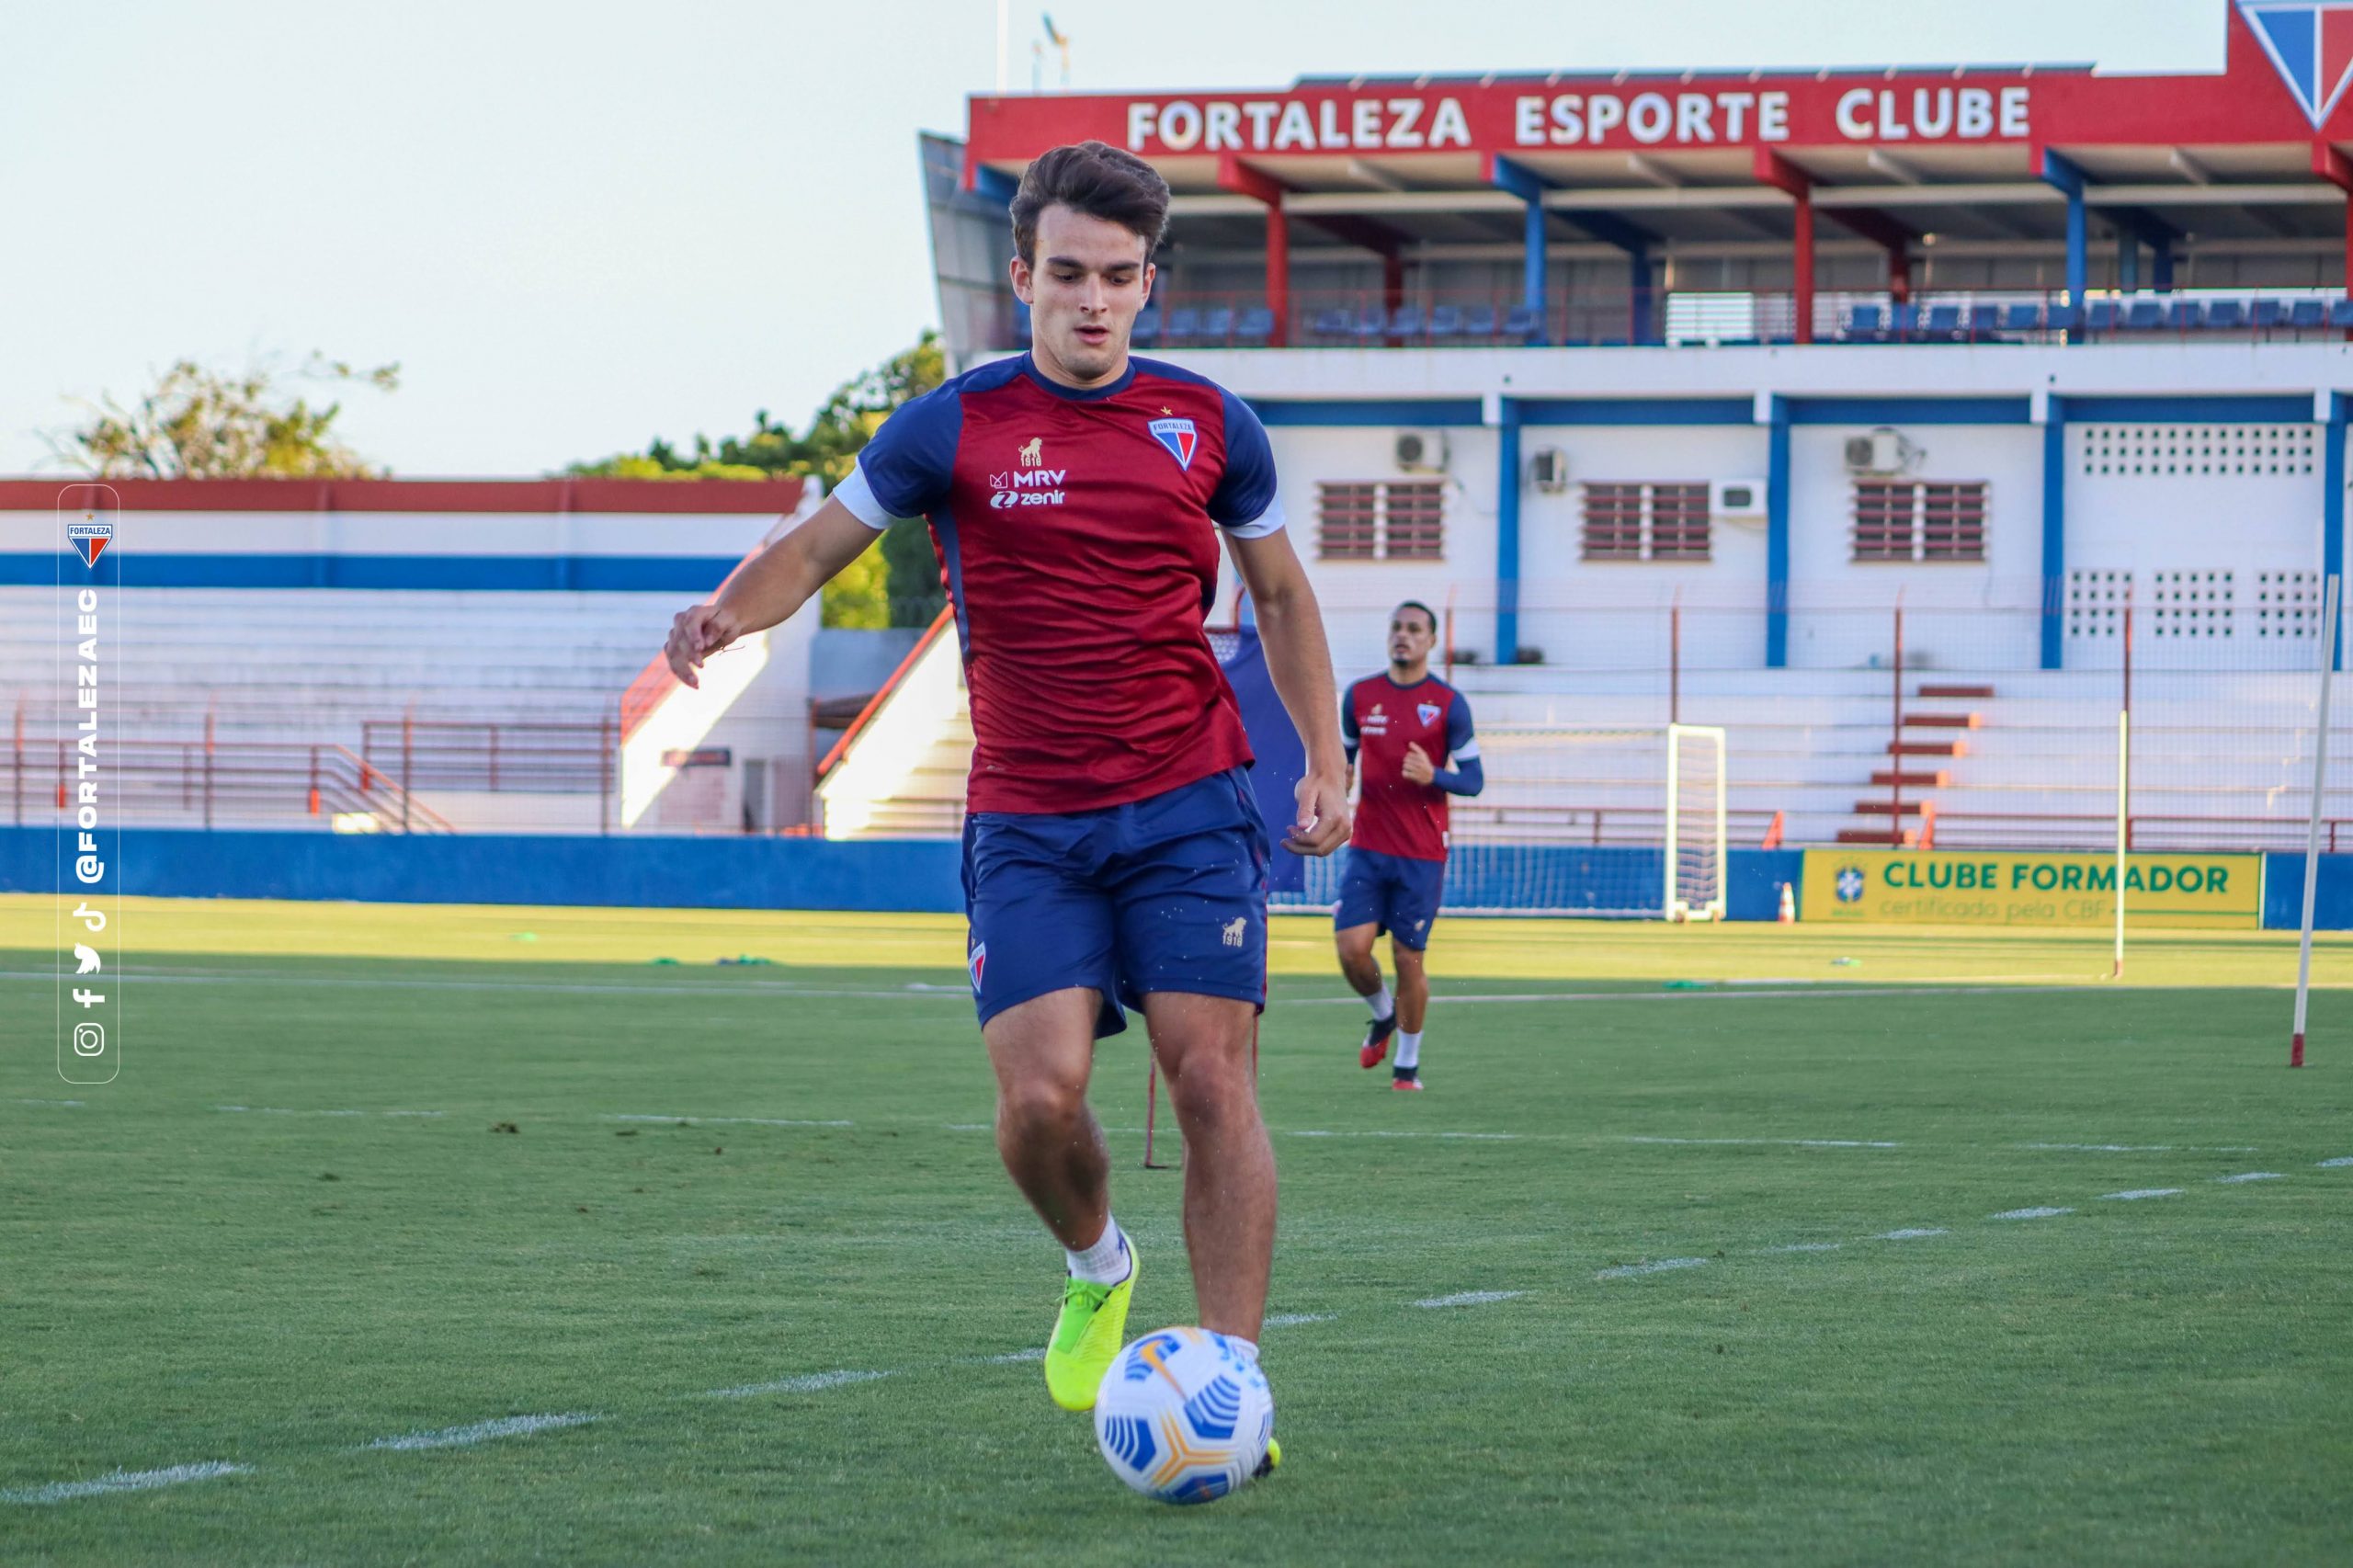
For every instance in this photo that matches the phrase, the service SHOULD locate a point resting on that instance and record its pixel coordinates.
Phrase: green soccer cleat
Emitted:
(1087, 1335)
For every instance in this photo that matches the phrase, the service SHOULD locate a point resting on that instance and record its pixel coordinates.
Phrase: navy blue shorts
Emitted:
(1398, 895)
(1165, 894)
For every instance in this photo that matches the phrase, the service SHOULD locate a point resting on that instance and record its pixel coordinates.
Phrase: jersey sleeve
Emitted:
(1349, 739)
(1461, 741)
(1245, 503)
(903, 471)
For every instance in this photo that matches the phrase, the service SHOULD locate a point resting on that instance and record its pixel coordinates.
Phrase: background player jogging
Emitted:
(1113, 854)
(1409, 737)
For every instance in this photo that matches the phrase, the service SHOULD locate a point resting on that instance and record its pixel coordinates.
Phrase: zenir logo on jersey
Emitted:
(1179, 436)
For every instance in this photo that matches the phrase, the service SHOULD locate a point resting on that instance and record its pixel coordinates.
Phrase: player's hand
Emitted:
(696, 634)
(1417, 765)
(1322, 823)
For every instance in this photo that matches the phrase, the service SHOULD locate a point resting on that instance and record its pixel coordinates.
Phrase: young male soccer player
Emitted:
(1399, 726)
(1112, 851)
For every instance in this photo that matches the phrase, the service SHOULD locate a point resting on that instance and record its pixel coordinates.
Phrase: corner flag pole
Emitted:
(2312, 832)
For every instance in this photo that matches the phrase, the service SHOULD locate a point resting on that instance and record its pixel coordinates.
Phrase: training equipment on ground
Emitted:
(1184, 1417)
(1087, 1336)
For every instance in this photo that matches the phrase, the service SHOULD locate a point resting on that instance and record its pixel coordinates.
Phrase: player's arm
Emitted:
(1351, 740)
(1290, 628)
(769, 588)
(1465, 775)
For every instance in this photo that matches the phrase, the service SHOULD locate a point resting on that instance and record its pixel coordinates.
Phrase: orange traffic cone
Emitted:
(1788, 915)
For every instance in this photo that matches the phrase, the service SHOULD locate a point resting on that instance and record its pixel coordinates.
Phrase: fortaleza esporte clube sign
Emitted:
(1869, 886)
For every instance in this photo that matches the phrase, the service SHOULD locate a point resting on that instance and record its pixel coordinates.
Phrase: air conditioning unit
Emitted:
(1548, 469)
(1736, 500)
(1420, 451)
(1884, 451)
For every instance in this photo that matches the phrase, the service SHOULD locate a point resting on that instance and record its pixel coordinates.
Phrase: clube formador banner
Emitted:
(1976, 888)
(2287, 68)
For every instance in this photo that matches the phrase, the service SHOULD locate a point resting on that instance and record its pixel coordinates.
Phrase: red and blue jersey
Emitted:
(1381, 721)
(1077, 534)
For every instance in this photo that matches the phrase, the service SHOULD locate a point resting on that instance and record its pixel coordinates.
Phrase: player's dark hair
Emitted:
(1099, 180)
(1428, 613)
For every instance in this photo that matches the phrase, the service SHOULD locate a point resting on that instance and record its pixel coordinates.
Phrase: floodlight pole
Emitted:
(2312, 832)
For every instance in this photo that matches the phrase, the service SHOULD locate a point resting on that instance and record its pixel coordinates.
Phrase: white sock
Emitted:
(1409, 1050)
(1247, 1349)
(1381, 1003)
(1105, 1263)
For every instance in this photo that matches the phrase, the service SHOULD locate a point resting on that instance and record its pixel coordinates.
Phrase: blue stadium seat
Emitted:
(1984, 321)
(2226, 315)
(2021, 316)
(2100, 316)
(2340, 313)
(1944, 322)
(1333, 323)
(1372, 325)
(2060, 317)
(1863, 322)
(2267, 315)
(1218, 324)
(1900, 319)
(2186, 315)
(1184, 325)
(1257, 325)
(2308, 315)
(1147, 328)
(1406, 321)
(2143, 316)
(1480, 322)
(1521, 324)
(1446, 321)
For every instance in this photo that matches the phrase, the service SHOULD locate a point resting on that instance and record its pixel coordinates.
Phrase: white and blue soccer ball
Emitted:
(1184, 1416)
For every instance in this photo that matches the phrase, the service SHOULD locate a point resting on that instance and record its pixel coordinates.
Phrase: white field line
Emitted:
(1630, 1270)
(2030, 1214)
(482, 1432)
(812, 1383)
(1784, 1142)
(281, 1110)
(1011, 1356)
(1319, 1132)
(121, 1481)
(74, 1103)
(1469, 1298)
(1727, 993)
(1291, 1319)
(2338, 1163)
(1918, 1233)
(1808, 1246)
(2250, 1175)
(2136, 1194)
(2140, 1148)
(731, 1121)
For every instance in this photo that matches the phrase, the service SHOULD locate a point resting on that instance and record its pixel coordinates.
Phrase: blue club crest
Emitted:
(1179, 436)
(2310, 44)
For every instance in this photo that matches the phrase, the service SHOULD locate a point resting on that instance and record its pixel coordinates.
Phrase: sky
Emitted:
(580, 226)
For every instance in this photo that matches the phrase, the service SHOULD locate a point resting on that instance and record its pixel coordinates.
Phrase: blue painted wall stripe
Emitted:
(1661, 411)
(2266, 410)
(1910, 410)
(1776, 538)
(1508, 482)
(2331, 526)
(1368, 411)
(589, 573)
(2054, 534)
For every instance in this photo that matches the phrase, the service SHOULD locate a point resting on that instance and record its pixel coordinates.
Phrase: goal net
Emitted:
(1625, 822)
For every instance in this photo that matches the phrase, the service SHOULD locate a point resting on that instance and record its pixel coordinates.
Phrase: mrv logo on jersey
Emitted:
(1027, 487)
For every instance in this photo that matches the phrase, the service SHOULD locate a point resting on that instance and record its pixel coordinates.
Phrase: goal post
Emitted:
(1621, 821)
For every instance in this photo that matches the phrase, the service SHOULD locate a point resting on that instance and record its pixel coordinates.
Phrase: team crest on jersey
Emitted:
(1427, 713)
(2310, 45)
(1179, 436)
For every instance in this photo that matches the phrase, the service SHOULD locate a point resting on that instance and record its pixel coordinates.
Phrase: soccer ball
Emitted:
(1184, 1416)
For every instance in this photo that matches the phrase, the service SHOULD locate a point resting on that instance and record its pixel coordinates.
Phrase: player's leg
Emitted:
(1042, 978)
(1413, 1010)
(1203, 1045)
(1355, 921)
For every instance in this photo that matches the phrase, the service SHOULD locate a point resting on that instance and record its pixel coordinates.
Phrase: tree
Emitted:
(896, 583)
(200, 423)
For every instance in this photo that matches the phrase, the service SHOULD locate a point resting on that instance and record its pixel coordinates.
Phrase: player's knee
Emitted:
(1209, 1093)
(1039, 1107)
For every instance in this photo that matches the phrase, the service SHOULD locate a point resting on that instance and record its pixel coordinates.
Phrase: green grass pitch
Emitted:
(1728, 1274)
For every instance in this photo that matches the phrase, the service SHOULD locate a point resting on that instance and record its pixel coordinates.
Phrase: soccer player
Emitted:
(1399, 727)
(1113, 854)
